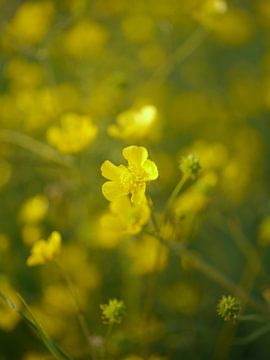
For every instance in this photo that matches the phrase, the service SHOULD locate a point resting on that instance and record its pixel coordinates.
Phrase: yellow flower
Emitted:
(75, 133)
(45, 251)
(134, 124)
(31, 21)
(34, 209)
(130, 180)
(147, 255)
(129, 221)
(85, 38)
(210, 12)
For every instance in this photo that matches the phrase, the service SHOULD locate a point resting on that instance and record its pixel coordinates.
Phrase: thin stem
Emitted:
(106, 347)
(252, 317)
(214, 274)
(35, 146)
(186, 49)
(251, 271)
(81, 318)
(176, 191)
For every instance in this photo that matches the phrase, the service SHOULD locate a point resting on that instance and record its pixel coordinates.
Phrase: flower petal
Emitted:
(135, 155)
(110, 171)
(113, 190)
(150, 169)
(121, 206)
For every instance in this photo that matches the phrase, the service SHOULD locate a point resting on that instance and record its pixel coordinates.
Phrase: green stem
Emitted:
(186, 49)
(81, 318)
(35, 146)
(252, 317)
(176, 191)
(214, 274)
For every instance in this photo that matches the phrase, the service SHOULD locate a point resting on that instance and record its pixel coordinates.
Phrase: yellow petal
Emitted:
(121, 205)
(135, 155)
(151, 170)
(113, 190)
(138, 196)
(54, 244)
(111, 171)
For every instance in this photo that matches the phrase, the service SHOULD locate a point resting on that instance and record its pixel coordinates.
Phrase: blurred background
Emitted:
(74, 76)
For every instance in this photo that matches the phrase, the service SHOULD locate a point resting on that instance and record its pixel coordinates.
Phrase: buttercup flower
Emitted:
(45, 251)
(134, 124)
(75, 133)
(130, 180)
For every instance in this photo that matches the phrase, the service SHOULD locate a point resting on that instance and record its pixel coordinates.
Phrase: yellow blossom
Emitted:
(34, 209)
(147, 255)
(23, 74)
(210, 12)
(86, 38)
(130, 180)
(74, 134)
(129, 221)
(31, 22)
(134, 124)
(45, 251)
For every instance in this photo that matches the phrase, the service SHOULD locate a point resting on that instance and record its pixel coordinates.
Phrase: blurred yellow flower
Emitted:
(34, 209)
(31, 232)
(130, 180)
(23, 74)
(129, 221)
(134, 124)
(263, 238)
(31, 22)
(138, 28)
(74, 134)
(147, 255)
(86, 38)
(236, 27)
(210, 11)
(45, 251)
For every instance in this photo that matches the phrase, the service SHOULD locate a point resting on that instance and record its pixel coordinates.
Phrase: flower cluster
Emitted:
(75, 133)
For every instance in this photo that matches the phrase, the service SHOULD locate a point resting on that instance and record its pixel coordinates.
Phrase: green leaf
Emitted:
(35, 325)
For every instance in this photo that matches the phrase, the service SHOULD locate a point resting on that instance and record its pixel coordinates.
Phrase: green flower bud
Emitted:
(113, 312)
(190, 165)
(229, 308)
